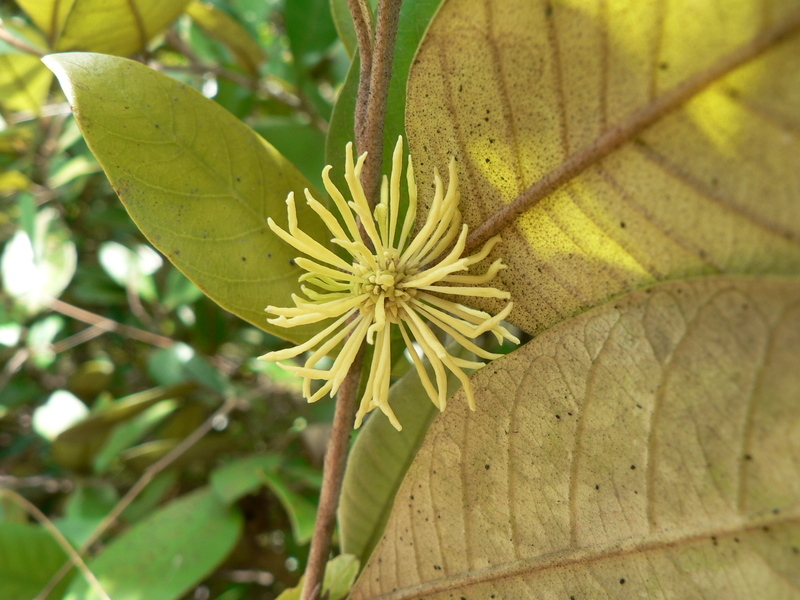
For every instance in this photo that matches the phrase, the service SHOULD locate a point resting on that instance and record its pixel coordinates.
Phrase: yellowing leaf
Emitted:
(48, 15)
(120, 27)
(198, 182)
(584, 101)
(649, 448)
(227, 30)
(24, 80)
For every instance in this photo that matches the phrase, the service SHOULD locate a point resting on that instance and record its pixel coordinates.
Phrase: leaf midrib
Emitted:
(627, 129)
(581, 556)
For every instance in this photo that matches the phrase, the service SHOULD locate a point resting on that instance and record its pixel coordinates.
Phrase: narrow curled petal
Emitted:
(389, 278)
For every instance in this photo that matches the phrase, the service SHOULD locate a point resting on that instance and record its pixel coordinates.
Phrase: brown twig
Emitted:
(19, 44)
(109, 324)
(79, 338)
(51, 485)
(627, 130)
(332, 477)
(380, 77)
(13, 365)
(152, 471)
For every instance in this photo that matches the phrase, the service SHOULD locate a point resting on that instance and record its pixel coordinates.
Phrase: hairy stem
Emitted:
(380, 77)
(362, 20)
(333, 475)
(627, 130)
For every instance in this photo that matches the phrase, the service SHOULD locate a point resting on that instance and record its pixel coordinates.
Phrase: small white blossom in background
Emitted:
(392, 284)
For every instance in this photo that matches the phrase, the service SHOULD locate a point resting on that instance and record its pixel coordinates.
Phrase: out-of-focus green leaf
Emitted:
(179, 363)
(310, 28)
(85, 509)
(242, 476)
(76, 167)
(76, 447)
(302, 513)
(129, 432)
(179, 290)
(34, 272)
(27, 214)
(230, 32)
(151, 497)
(197, 181)
(91, 378)
(142, 456)
(120, 27)
(29, 557)
(163, 556)
(40, 339)
(340, 573)
(380, 458)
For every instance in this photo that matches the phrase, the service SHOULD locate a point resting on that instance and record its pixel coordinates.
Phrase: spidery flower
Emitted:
(397, 281)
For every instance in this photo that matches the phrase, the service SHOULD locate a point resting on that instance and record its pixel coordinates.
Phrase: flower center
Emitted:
(388, 283)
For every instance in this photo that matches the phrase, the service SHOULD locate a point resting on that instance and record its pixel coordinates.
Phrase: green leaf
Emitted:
(153, 495)
(29, 557)
(646, 449)
(76, 447)
(163, 556)
(84, 510)
(302, 513)
(198, 182)
(538, 92)
(179, 290)
(380, 458)
(127, 433)
(179, 363)
(109, 26)
(310, 28)
(242, 476)
(230, 32)
(75, 167)
(340, 573)
(342, 129)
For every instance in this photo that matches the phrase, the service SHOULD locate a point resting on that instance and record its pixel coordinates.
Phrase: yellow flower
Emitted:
(397, 281)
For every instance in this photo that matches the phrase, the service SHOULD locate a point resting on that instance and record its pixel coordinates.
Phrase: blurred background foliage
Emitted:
(111, 357)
